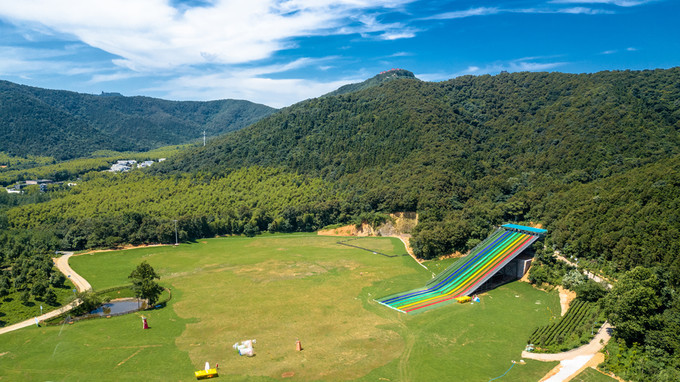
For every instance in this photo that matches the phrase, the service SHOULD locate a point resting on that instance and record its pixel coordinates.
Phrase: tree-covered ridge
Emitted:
(378, 79)
(466, 153)
(593, 157)
(111, 209)
(585, 126)
(623, 221)
(66, 125)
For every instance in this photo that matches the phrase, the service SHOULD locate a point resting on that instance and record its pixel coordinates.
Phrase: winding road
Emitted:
(62, 264)
(573, 361)
(81, 284)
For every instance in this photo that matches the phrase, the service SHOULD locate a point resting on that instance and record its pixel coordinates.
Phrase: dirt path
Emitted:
(573, 361)
(62, 264)
(588, 274)
(594, 346)
(404, 369)
(81, 284)
(566, 297)
(129, 246)
(46, 316)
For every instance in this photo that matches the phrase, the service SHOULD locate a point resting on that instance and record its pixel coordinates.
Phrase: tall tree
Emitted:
(143, 283)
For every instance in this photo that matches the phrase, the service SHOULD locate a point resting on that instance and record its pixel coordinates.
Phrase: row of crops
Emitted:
(570, 331)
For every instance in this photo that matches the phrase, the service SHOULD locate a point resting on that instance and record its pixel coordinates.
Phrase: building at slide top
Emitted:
(497, 258)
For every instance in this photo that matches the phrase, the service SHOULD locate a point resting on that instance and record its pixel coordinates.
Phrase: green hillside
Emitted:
(594, 158)
(67, 125)
(466, 153)
(376, 80)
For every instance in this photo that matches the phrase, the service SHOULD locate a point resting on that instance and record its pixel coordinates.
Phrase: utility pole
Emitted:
(176, 241)
(203, 137)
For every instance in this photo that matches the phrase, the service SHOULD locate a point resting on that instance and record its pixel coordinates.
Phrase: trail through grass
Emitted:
(276, 289)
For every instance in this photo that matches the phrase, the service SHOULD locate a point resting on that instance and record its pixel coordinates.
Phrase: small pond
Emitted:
(126, 305)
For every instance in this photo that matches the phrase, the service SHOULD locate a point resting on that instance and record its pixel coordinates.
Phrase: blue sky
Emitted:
(279, 52)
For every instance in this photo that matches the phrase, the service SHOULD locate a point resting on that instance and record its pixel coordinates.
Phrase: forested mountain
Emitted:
(582, 127)
(65, 125)
(376, 80)
(594, 158)
(473, 151)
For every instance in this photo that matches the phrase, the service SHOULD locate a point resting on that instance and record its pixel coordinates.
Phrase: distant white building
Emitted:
(117, 167)
(145, 164)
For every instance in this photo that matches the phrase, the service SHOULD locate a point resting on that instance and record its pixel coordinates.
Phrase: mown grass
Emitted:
(592, 375)
(276, 289)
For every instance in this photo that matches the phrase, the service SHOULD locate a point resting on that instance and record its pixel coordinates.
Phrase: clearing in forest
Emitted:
(277, 289)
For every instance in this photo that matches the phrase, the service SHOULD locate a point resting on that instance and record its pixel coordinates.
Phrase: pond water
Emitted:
(120, 306)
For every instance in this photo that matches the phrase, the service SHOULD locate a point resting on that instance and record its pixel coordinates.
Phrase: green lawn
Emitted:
(592, 375)
(276, 289)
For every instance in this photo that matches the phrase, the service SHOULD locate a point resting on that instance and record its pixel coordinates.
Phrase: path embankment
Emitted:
(81, 285)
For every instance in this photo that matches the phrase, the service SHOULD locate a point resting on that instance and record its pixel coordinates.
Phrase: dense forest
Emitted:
(471, 152)
(594, 158)
(19, 169)
(67, 125)
(379, 79)
(112, 209)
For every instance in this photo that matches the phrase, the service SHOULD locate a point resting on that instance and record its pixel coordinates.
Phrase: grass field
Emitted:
(592, 375)
(276, 289)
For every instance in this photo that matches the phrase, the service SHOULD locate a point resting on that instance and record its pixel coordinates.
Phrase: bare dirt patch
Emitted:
(400, 226)
(566, 297)
(129, 246)
(454, 255)
(349, 230)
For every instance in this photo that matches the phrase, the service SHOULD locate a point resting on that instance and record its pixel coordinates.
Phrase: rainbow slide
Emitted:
(466, 275)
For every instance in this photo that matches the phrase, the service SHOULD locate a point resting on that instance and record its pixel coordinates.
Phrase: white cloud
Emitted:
(395, 35)
(629, 49)
(518, 65)
(582, 11)
(620, 3)
(495, 68)
(253, 84)
(151, 34)
(273, 92)
(29, 62)
(400, 54)
(482, 11)
(112, 77)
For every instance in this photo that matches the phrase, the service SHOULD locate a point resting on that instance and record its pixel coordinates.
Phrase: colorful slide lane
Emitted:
(464, 276)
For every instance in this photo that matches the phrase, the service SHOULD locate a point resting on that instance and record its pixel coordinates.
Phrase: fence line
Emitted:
(69, 319)
(344, 242)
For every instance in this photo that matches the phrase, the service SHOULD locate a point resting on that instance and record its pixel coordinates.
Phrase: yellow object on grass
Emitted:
(205, 374)
(463, 299)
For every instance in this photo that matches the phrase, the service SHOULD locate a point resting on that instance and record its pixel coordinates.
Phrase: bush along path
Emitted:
(81, 284)
(573, 360)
